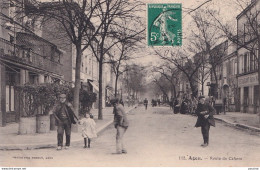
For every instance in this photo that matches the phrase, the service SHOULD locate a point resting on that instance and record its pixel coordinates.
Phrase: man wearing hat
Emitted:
(64, 116)
(121, 124)
(205, 119)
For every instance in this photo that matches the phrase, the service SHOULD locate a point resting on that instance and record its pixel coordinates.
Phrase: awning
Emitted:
(110, 93)
(94, 85)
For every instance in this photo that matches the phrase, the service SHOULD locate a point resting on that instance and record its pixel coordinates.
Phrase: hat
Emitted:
(63, 95)
(114, 100)
(201, 97)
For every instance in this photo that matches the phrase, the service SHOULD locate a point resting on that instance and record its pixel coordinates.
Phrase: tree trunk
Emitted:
(194, 90)
(100, 81)
(258, 78)
(77, 80)
(116, 85)
(202, 87)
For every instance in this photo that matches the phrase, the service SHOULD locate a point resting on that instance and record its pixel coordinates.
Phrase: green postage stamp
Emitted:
(164, 24)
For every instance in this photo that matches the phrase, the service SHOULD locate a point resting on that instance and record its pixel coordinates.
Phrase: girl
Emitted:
(88, 129)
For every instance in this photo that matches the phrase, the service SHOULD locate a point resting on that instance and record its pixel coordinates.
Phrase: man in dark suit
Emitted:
(145, 103)
(205, 119)
(64, 116)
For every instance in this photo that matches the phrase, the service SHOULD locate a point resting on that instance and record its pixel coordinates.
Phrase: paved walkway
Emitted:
(243, 120)
(11, 140)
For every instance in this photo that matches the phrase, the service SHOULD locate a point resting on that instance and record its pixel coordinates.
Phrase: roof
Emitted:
(253, 2)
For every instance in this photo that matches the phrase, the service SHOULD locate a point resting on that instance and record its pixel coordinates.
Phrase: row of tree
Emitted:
(205, 51)
(110, 28)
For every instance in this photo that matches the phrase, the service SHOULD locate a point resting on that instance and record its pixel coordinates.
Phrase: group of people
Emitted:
(183, 106)
(65, 116)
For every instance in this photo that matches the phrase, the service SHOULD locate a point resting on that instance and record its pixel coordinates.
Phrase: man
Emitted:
(145, 103)
(121, 124)
(205, 119)
(64, 116)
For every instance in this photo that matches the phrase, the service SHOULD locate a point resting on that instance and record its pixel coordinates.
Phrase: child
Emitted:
(88, 129)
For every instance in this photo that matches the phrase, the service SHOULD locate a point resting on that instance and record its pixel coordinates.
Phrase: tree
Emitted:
(164, 85)
(134, 80)
(111, 13)
(171, 74)
(124, 51)
(247, 35)
(75, 20)
(205, 40)
(185, 65)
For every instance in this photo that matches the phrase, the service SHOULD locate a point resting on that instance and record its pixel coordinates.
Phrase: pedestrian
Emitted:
(159, 102)
(64, 116)
(121, 124)
(88, 129)
(177, 105)
(145, 103)
(205, 119)
(224, 105)
(121, 102)
(184, 106)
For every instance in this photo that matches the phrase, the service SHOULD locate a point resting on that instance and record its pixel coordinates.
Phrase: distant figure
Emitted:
(121, 102)
(205, 119)
(121, 124)
(88, 129)
(171, 103)
(159, 102)
(224, 105)
(184, 109)
(145, 103)
(177, 105)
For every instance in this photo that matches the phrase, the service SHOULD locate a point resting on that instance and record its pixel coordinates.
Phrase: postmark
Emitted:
(164, 24)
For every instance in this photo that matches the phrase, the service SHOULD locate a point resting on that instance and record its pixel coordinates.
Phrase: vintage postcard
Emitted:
(119, 83)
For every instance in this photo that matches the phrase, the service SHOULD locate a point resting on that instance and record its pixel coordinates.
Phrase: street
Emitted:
(155, 137)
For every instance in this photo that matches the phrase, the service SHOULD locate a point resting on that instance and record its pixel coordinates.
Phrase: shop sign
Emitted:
(248, 80)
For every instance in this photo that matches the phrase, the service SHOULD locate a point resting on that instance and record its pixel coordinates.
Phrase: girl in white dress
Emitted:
(88, 129)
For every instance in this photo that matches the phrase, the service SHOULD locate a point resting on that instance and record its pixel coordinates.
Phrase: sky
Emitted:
(227, 10)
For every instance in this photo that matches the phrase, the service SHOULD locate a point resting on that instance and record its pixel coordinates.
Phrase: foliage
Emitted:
(39, 99)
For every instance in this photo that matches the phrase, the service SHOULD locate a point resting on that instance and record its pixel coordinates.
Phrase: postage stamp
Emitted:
(164, 24)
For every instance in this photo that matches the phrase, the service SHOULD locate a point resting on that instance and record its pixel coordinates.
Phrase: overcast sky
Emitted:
(227, 10)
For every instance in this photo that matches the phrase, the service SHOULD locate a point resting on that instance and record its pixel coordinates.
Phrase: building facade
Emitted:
(25, 57)
(248, 58)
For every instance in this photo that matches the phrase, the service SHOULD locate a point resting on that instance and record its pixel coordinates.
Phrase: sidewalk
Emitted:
(10, 140)
(241, 120)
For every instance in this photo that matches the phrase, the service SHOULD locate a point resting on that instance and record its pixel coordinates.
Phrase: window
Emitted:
(9, 89)
(235, 67)
(251, 61)
(245, 63)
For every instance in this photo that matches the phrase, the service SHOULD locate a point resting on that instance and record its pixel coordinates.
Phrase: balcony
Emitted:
(26, 56)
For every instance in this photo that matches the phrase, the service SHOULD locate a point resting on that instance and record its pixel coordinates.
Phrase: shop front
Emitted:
(249, 93)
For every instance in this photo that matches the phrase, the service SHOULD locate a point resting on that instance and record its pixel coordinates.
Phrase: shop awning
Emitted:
(94, 85)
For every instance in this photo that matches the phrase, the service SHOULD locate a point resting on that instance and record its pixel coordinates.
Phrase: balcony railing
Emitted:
(29, 57)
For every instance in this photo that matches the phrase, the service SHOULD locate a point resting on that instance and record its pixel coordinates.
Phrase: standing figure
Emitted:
(64, 116)
(145, 103)
(162, 22)
(184, 109)
(88, 129)
(177, 105)
(121, 124)
(205, 119)
(224, 105)
(159, 102)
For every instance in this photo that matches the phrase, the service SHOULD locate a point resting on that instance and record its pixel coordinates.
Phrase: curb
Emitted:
(54, 144)
(255, 129)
